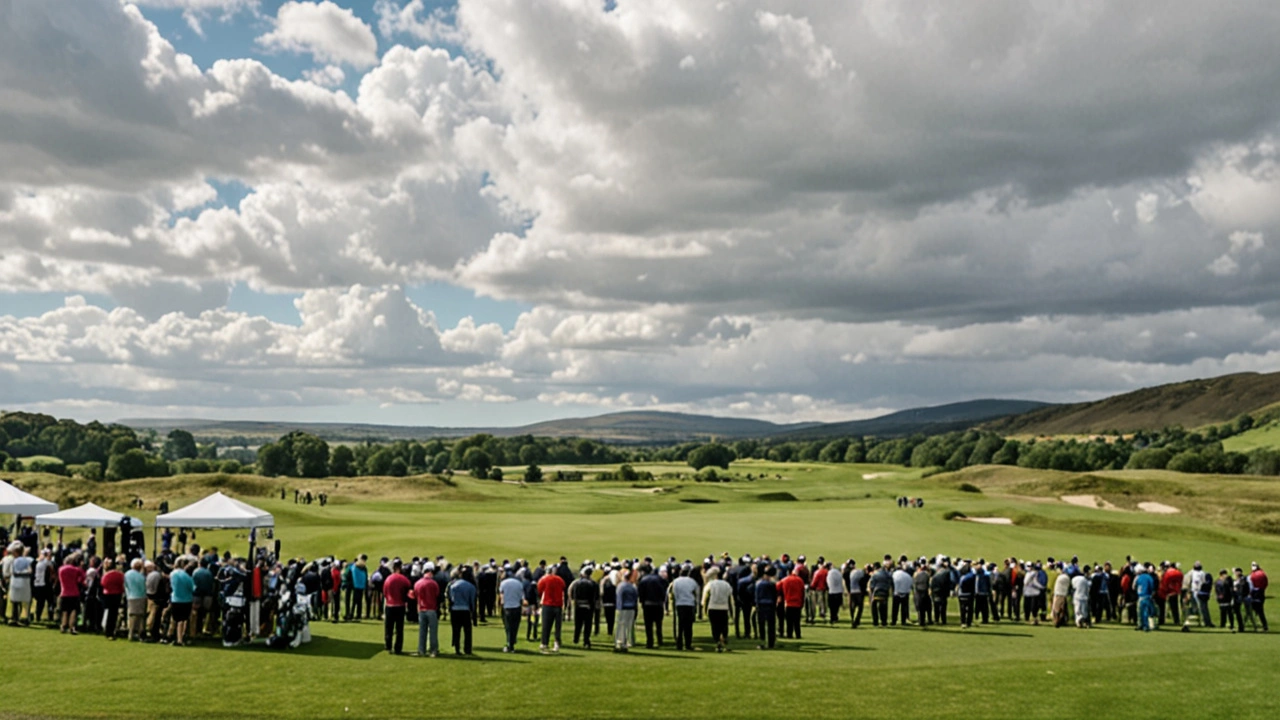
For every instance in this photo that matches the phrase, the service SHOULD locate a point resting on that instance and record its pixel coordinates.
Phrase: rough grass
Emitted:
(1006, 670)
(1267, 436)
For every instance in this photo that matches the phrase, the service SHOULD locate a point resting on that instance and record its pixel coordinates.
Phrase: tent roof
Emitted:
(217, 511)
(87, 515)
(16, 502)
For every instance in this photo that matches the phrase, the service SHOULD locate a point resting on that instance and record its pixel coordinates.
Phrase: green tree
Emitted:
(129, 465)
(1008, 453)
(476, 459)
(439, 463)
(533, 474)
(380, 462)
(711, 455)
(179, 445)
(342, 461)
(1149, 459)
(310, 456)
(834, 451)
(857, 451)
(496, 474)
(532, 454)
(399, 468)
(124, 444)
(274, 460)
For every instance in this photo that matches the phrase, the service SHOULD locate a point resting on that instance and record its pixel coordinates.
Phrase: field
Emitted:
(839, 511)
(1267, 436)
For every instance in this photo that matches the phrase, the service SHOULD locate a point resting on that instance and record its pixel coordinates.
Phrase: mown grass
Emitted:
(1267, 436)
(1006, 670)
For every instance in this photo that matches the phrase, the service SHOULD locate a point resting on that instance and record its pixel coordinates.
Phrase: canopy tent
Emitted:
(87, 515)
(16, 502)
(217, 512)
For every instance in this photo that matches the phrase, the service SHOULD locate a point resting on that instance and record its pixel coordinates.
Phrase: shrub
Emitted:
(953, 515)
(969, 488)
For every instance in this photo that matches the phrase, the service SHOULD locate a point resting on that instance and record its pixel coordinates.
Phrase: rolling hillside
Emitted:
(1190, 404)
(928, 420)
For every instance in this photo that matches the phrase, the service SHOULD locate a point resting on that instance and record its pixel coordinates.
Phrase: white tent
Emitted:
(217, 511)
(87, 515)
(16, 502)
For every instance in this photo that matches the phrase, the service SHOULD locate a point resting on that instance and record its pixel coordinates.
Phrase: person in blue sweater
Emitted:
(746, 592)
(462, 603)
(358, 574)
(982, 591)
(766, 601)
(965, 591)
(1145, 585)
(628, 600)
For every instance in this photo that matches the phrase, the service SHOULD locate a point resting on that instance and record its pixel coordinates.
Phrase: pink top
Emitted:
(427, 593)
(71, 578)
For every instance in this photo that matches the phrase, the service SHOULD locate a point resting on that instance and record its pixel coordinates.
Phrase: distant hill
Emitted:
(927, 420)
(623, 427)
(1190, 404)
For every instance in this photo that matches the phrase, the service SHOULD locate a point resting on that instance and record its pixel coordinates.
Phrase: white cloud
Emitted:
(327, 76)
(326, 31)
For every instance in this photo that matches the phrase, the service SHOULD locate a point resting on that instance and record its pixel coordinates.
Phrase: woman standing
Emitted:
(71, 580)
(23, 572)
(112, 592)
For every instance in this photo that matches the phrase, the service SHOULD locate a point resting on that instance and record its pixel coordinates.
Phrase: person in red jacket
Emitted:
(792, 589)
(1170, 593)
(817, 593)
(1258, 594)
(112, 596)
(335, 595)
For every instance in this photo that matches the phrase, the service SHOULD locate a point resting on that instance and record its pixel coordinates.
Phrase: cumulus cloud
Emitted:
(324, 30)
(817, 209)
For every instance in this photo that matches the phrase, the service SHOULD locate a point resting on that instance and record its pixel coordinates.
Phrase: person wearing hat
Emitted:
(920, 594)
(1258, 594)
(880, 587)
(584, 595)
(901, 596)
(717, 598)
(1170, 592)
(1144, 584)
(940, 591)
(1201, 587)
(834, 591)
(426, 593)
(1032, 593)
(608, 597)
(857, 580)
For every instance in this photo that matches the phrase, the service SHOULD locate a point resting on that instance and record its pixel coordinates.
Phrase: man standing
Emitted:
(395, 594)
(135, 594)
(881, 587)
(901, 597)
(462, 602)
(857, 582)
(835, 592)
(818, 592)
(1224, 589)
(920, 592)
(1258, 594)
(684, 598)
(551, 590)
(965, 592)
(717, 598)
(426, 593)
(1080, 588)
(792, 589)
(746, 592)
(653, 596)
(1061, 591)
(1144, 584)
(1201, 589)
(940, 591)
(628, 599)
(205, 596)
(1171, 590)
(766, 602)
(1032, 593)
(585, 598)
(982, 591)
(511, 591)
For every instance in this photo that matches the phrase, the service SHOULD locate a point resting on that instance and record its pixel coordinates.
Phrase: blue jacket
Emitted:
(359, 577)
(766, 593)
(1145, 585)
(462, 595)
(983, 582)
(628, 596)
(746, 591)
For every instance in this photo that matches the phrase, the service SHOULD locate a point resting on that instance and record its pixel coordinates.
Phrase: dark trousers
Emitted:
(335, 605)
(393, 628)
(652, 623)
(966, 610)
(982, 608)
(511, 623)
(901, 609)
(354, 607)
(112, 603)
(460, 621)
(719, 620)
(741, 617)
(582, 619)
(834, 601)
(551, 619)
(684, 626)
(610, 612)
(924, 610)
(940, 610)
(1258, 601)
(764, 614)
(92, 617)
(793, 622)
(856, 601)
(1031, 606)
(880, 611)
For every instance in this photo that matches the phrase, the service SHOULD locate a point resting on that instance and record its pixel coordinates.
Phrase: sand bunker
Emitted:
(991, 521)
(1159, 508)
(1089, 501)
(873, 476)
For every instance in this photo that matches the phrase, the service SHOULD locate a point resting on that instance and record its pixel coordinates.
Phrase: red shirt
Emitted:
(427, 593)
(395, 590)
(819, 580)
(337, 578)
(113, 583)
(1170, 583)
(71, 578)
(792, 590)
(1258, 579)
(551, 590)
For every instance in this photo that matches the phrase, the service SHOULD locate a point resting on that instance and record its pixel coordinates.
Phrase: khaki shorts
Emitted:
(137, 606)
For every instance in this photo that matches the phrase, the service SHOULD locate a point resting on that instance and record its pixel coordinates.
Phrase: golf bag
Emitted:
(293, 626)
(233, 627)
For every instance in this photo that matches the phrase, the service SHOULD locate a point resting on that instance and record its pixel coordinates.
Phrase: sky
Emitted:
(493, 212)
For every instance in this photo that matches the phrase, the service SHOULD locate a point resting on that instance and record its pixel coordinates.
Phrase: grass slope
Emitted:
(1267, 436)
(1006, 670)
(1190, 404)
